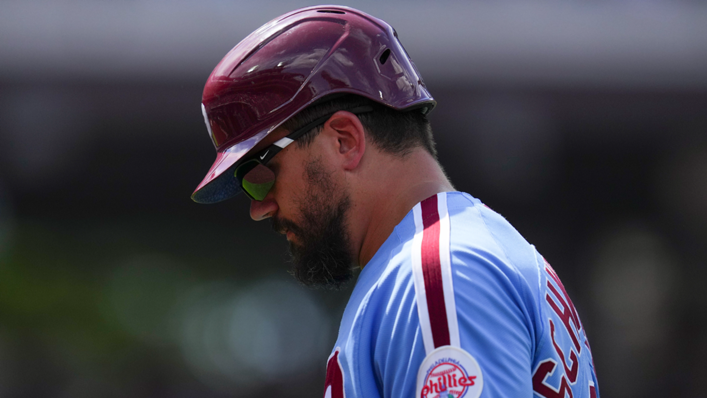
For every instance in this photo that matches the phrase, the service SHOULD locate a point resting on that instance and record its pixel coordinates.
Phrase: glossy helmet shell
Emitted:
(290, 63)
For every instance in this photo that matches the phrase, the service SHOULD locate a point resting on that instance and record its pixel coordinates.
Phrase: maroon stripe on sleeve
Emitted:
(334, 377)
(432, 272)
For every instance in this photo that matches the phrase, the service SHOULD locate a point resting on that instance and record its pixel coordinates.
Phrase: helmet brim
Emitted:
(220, 183)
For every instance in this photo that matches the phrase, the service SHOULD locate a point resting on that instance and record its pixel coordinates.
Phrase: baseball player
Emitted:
(319, 116)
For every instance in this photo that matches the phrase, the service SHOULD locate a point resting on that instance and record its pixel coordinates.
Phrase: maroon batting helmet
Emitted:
(290, 63)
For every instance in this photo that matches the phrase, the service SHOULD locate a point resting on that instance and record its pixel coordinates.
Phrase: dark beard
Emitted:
(321, 252)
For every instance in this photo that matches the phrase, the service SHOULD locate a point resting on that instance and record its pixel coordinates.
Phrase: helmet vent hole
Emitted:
(331, 11)
(384, 56)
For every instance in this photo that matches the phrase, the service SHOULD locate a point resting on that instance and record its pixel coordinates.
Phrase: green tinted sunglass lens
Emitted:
(257, 179)
(243, 169)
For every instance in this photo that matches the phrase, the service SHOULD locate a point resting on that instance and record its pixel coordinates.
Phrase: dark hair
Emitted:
(391, 131)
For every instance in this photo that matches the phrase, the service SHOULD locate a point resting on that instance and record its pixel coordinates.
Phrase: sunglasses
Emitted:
(256, 178)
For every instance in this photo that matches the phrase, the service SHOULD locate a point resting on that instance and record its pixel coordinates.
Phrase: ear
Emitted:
(350, 138)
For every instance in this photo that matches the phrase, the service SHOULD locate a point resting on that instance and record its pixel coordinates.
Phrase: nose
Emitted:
(260, 210)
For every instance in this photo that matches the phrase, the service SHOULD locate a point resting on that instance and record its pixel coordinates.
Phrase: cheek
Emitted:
(289, 189)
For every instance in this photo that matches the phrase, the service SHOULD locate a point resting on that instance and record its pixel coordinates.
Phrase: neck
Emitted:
(396, 188)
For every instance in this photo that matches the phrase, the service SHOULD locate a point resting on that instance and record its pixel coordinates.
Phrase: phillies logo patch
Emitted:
(449, 372)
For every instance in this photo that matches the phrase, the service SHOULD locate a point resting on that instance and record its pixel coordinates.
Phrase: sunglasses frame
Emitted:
(266, 154)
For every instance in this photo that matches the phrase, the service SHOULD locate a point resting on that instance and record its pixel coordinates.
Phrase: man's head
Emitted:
(336, 84)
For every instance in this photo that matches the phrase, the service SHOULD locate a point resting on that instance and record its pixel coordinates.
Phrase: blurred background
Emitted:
(583, 123)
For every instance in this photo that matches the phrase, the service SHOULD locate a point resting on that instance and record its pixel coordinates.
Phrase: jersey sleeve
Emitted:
(494, 324)
(460, 295)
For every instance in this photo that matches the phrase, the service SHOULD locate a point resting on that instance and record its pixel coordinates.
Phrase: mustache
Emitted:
(282, 225)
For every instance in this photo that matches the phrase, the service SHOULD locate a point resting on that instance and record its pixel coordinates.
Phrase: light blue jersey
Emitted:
(457, 304)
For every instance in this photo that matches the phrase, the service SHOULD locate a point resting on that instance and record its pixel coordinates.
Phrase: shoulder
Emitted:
(469, 271)
(480, 232)
(453, 237)
(478, 240)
